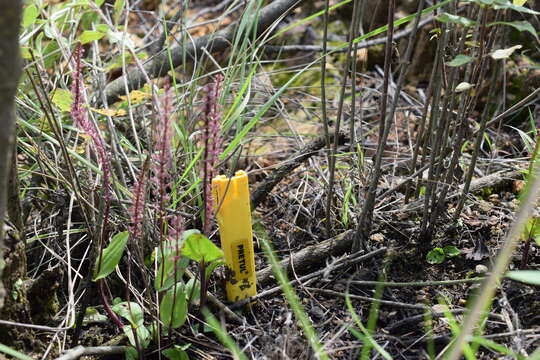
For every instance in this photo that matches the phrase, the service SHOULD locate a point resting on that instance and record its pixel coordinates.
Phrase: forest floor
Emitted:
(408, 298)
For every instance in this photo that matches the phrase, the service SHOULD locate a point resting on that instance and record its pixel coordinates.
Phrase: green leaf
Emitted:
(173, 307)
(435, 256)
(30, 15)
(518, 25)
(176, 352)
(118, 8)
(166, 277)
(455, 19)
(197, 247)
(531, 277)
(102, 28)
(451, 251)
(142, 334)
(14, 353)
(193, 289)
(62, 99)
(111, 256)
(135, 316)
(211, 267)
(460, 60)
(130, 353)
(532, 230)
(89, 36)
(99, 3)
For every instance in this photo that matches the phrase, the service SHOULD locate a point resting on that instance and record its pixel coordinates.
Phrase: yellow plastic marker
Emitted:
(232, 202)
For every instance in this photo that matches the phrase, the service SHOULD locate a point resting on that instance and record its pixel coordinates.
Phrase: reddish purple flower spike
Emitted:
(79, 115)
(137, 209)
(162, 163)
(212, 143)
(78, 112)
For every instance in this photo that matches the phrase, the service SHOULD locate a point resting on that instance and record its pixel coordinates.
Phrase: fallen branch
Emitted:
(360, 45)
(266, 186)
(79, 351)
(310, 256)
(343, 262)
(492, 180)
(211, 43)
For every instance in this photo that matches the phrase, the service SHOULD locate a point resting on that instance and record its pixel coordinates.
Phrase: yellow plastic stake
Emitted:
(232, 202)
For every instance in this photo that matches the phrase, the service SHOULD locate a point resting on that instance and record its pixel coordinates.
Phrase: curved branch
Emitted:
(216, 42)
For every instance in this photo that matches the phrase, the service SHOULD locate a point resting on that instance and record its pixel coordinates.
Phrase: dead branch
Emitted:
(262, 191)
(211, 43)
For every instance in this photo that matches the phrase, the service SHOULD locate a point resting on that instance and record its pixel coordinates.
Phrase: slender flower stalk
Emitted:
(137, 208)
(212, 147)
(161, 164)
(80, 117)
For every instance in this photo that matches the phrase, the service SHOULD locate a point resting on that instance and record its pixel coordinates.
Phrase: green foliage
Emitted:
(176, 352)
(505, 4)
(131, 311)
(455, 19)
(532, 230)
(222, 335)
(30, 15)
(14, 353)
(531, 277)
(62, 99)
(292, 298)
(438, 255)
(173, 307)
(518, 25)
(197, 247)
(89, 36)
(460, 60)
(171, 265)
(111, 256)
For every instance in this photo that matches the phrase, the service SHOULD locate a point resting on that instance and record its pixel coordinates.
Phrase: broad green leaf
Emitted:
(173, 307)
(111, 255)
(451, 251)
(176, 352)
(460, 60)
(531, 277)
(455, 19)
(62, 99)
(506, 4)
(30, 15)
(132, 312)
(518, 25)
(142, 334)
(435, 256)
(102, 28)
(504, 53)
(89, 36)
(130, 353)
(197, 247)
(166, 277)
(99, 3)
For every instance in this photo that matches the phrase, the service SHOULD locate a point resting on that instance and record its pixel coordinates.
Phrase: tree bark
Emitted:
(10, 71)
